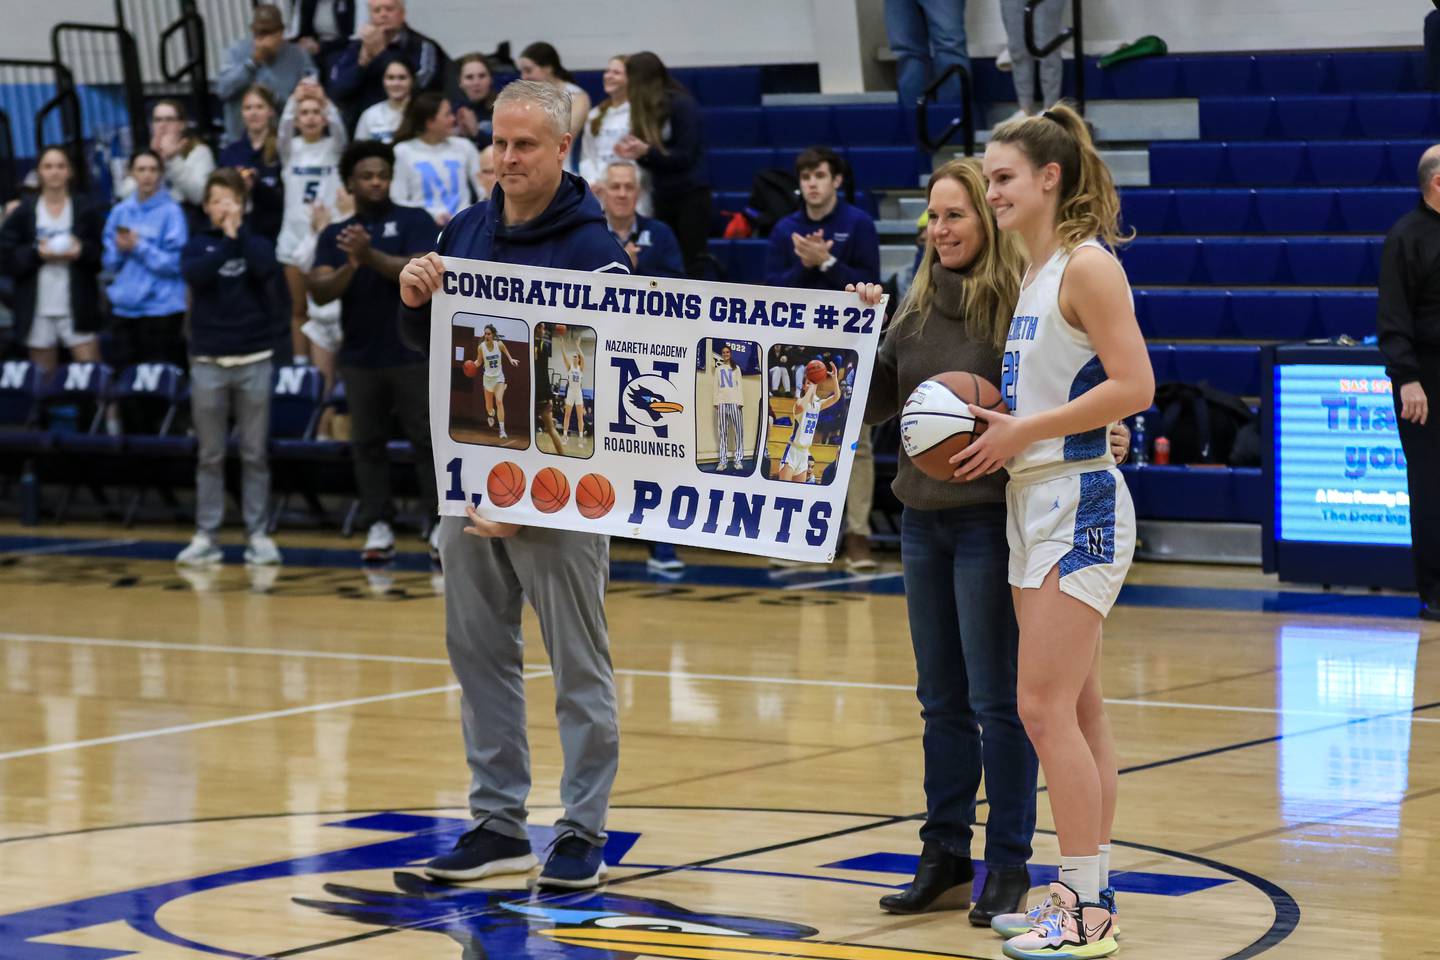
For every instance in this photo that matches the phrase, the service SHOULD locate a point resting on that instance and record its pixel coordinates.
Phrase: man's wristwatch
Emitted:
(829, 262)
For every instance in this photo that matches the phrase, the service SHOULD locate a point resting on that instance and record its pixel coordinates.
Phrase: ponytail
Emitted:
(1089, 206)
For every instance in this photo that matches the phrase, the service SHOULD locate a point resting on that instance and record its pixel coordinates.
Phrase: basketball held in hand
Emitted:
(936, 422)
(815, 371)
(550, 491)
(506, 484)
(594, 496)
(470, 368)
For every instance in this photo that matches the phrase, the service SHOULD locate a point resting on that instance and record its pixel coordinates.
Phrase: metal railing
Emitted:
(97, 62)
(964, 123)
(30, 84)
(1074, 32)
(8, 187)
(156, 25)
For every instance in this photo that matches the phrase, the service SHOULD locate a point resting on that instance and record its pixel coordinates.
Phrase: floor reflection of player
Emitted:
(492, 380)
(795, 465)
(544, 393)
(574, 394)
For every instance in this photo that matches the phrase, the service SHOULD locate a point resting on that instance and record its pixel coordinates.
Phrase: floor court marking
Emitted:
(842, 581)
(233, 721)
(69, 546)
(536, 672)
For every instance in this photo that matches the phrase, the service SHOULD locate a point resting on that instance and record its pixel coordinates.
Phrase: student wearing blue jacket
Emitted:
(827, 245)
(143, 238)
(229, 268)
(540, 216)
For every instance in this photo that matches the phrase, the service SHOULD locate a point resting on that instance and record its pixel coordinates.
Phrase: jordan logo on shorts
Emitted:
(1095, 541)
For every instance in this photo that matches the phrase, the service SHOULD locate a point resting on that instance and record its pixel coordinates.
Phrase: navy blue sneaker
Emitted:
(481, 852)
(575, 864)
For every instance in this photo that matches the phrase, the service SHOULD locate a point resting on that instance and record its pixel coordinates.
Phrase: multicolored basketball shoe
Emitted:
(1070, 931)
(1010, 925)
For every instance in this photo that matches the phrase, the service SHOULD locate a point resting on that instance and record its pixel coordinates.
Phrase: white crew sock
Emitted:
(1082, 874)
(1104, 866)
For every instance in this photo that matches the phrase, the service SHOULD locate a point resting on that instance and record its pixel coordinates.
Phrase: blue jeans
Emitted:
(928, 37)
(962, 624)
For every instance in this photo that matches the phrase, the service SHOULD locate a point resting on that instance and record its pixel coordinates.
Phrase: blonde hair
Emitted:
(1089, 206)
(603, 107)
(990, 286)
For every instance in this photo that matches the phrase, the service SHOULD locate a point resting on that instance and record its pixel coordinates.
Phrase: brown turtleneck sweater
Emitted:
(904, 361)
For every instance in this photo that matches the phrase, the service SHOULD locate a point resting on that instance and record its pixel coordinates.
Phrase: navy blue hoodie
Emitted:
(856, 250)
(231, 314)
(570, 234)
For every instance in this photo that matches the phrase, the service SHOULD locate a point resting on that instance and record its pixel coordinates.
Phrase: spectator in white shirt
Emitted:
(434, 168)
(381, 120)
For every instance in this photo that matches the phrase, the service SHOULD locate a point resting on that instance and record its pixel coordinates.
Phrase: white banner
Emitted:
(710, 414)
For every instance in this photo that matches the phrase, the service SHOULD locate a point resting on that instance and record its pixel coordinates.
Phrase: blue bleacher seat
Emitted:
(1186, 163)
(295, 402)
(1292, 74)
(1296, 210)
(873, 125)
(726, 86)
(732, 127)
(1148, 211)
(1367, 72)
(877, 168)
(20, 410)
(1314, 118)
(1204, 493)
(1266, 163)
(1214, 211)
(1395, 116)
(1163, 261)
(1374, 210)
(1273, 315)
(1334, 261)
(1215, 76)
(1348, 312)
(1183, 314)
(1345, 163)
(736, 169)
(1405, 158)
(795, 128)
(1237, 118)
(1140, 78)
(1234, 368)
(1252, 261)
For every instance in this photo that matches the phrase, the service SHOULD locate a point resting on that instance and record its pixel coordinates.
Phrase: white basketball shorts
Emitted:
(1083, 524)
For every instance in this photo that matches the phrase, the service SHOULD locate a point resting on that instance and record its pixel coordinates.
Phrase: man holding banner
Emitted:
(538, 216)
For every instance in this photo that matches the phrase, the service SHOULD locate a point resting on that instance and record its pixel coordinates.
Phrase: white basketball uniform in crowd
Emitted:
(1068, 504)
(494, 372)
(797, 451)
(310, 173)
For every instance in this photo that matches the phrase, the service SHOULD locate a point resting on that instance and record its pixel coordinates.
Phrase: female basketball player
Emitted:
(795, 464)
(574, 394)
(311, 139)
(1075, 361)
(729, 402)
(492, 375)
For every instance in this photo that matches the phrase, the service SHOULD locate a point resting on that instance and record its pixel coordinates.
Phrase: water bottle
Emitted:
(29, 495)
(1138, 454)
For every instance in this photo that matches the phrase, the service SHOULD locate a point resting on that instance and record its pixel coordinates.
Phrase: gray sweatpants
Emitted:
(1049, 17)
(563, 574)
(216, 393)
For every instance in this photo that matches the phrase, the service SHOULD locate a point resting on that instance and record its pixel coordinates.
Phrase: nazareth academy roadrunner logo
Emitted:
(686, 883)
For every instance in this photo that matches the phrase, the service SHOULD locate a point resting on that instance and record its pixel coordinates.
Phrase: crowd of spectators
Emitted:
(271, 242)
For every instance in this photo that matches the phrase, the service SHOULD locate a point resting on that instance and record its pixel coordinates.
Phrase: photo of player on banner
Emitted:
(565, 389)
(807, 412)
(489, 382)
(729, 394)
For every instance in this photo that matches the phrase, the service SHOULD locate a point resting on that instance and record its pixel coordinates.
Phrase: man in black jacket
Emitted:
(1409, 331)
(356, 77)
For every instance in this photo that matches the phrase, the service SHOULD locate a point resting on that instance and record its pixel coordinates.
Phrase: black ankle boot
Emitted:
(942, 882)
(1004, 892)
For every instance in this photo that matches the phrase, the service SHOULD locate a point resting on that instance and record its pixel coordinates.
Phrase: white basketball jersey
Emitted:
(809, 419)
(311, 173)
(1047, 364)
(576, 377)
(492, 359)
